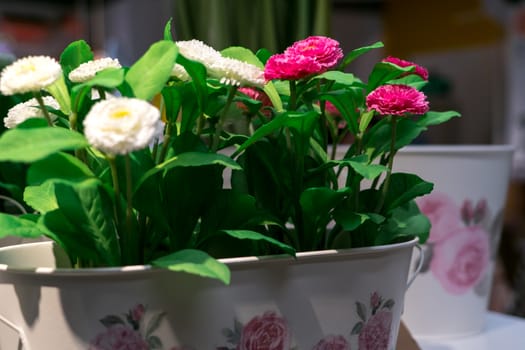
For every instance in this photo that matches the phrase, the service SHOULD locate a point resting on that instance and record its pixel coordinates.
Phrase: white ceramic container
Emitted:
(350, 299)
(466, 209)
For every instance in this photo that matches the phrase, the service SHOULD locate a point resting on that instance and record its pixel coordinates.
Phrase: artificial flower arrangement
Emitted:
(115, 179)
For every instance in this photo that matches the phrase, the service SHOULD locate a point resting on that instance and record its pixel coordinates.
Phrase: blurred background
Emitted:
(473, 49)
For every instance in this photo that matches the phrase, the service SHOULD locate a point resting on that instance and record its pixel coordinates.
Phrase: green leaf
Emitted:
(108, 78)
(384, 72)
(41, 198)
(361, 310)
(347, 79)
(154, 323)
(365, 120)
(435, 118)
(194, 98)
(317, 204)
(361, 166)
(360, 51)
(348, 220)
(242, 54)
(195, 262)
(256, 236)
(405, 222)
(150, 73)
(346, 102)
(58, 166)
(74, 55)
(19, 226)
(261, 132)
(88, 207)
(404, 188)
(29, 145)
(167, 30)
(270, 91)
(191, 159)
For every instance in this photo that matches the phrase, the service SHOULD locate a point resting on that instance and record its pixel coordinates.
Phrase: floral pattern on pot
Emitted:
(129, 331)
(373, 329)
(268, 331)
(463, 241)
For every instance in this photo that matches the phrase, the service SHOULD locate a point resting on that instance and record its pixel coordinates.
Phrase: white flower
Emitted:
(29, 74)
(231, 71)
(29, 109)
(180, 73)
(196, 50)
(88, 70)
(121, 125)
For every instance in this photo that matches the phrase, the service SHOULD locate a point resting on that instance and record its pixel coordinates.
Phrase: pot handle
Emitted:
(419, 266)
(11, 334)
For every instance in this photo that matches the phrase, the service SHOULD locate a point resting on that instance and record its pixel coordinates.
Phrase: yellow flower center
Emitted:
(120, 113)
(28, 67)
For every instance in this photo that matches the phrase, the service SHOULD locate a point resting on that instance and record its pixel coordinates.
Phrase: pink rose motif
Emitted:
(118, 337)
(375, 300)
(460, 261)
(138, 312)
(397, 99)
(375, 335)
(332, 342)
(443, 214)
(268, 331)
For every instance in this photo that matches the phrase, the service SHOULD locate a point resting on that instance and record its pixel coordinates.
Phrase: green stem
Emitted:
(293, 95)
(133, 246)
(386, 183)
(38, 97)
(165, 143)
(101, 93)
(117, 208)
(220, 123)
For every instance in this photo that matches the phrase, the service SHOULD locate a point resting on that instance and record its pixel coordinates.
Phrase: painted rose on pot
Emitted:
(458, 251)
(129, 331)
(459, 262)
(268, 331)
(119, 337)
(332, 342)
(373, 330)
(442, 212)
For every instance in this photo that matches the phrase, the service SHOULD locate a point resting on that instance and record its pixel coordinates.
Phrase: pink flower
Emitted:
(268, 331)
(330, 109)
(325, 51)
(443, 214)
(460, 261)
(397, 100)
(332, 342)
(419, 70)
(375, 335)
(290, 67)
(255, 95)
(118, 337)
(313, 55)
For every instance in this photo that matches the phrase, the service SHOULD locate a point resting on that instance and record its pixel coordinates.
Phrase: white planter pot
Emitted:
(339, 300)
(466, 208)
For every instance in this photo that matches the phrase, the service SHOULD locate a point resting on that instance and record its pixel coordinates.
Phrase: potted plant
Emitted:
(125, 170)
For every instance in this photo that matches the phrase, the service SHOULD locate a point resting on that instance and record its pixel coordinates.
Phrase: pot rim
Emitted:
(460, 148)
(233, 263)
